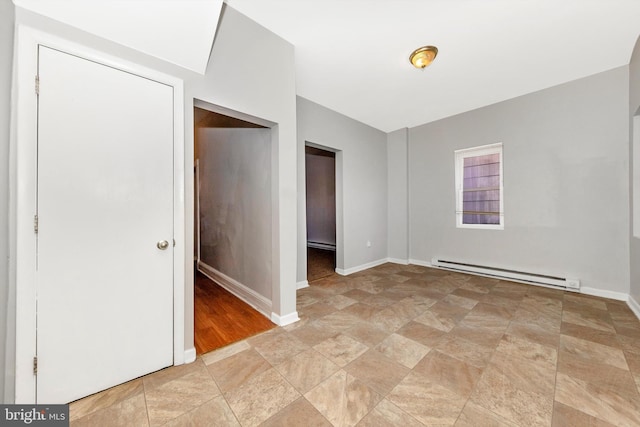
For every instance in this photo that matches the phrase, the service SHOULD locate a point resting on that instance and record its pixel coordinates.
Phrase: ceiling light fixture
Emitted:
(423, 56)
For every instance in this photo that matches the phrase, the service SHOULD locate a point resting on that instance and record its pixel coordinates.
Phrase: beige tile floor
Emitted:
(405, 346)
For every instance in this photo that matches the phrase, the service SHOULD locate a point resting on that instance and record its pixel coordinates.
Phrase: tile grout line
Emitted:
(146, 405)
(555, 377)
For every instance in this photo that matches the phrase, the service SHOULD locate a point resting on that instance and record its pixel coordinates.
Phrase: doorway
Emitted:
(232, 202)
(320, 179)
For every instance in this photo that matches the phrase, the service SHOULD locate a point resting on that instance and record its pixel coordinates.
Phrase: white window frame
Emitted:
(460, 155)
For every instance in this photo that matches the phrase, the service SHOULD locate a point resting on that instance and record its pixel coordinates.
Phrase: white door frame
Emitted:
(23, 185)
(196, 235)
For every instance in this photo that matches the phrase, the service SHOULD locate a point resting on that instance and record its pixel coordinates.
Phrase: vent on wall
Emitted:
(502, 273)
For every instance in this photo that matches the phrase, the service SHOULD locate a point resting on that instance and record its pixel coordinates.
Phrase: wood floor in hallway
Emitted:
(221, 318)
(320, 264)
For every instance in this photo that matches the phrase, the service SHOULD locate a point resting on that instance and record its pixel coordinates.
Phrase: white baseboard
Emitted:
(398, 261)
(246, 294)
(285, 320)
(303, 284)
(190, 355)
(319, 245)
(634, 306)
(352, 270)
(604, 294)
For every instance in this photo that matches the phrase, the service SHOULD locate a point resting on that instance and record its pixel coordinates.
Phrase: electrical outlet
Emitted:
(368, 243)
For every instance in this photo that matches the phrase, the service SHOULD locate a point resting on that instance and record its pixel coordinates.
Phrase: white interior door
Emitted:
(105, 200)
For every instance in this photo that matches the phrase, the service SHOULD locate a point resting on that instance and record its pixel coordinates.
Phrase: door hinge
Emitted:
(37, 85)
(35, 365)
(35, 224)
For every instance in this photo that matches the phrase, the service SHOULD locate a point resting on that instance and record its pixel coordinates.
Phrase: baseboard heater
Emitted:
(503, 273)
(320, 245)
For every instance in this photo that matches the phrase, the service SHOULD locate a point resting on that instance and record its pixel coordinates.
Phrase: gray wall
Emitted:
(235, 204)
(397, 188)
(234, 82)
(321, 199)
(566, 183)
(361, 181)
(634, 106)
(6, 54)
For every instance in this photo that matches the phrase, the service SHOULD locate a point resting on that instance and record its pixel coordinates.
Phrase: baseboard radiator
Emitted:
(321, 245)
(502, 273)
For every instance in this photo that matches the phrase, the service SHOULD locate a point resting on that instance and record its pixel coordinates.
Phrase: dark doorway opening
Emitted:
(320, 174)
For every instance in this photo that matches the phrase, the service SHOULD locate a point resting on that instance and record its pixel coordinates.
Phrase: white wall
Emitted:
(566, 183)
(235, 204)
(183, 31)
(634, 107)
(361, 172)
(6, 54)
(397, 189)
(232, 81)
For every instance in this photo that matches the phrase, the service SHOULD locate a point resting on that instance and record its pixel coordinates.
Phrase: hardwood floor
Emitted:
(320, 263)
(221, 318)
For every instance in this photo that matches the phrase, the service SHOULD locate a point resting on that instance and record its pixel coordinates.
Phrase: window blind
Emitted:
(481, 189)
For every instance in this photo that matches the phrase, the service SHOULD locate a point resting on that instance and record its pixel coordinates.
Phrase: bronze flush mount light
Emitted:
(423, 56)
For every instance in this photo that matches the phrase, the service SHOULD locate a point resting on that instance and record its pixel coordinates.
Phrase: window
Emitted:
(479, 201)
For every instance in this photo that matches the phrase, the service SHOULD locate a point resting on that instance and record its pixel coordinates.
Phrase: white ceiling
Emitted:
(352, 55)
(177, 31)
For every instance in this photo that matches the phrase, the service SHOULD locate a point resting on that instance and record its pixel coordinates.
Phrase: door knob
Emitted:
(162, 245)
